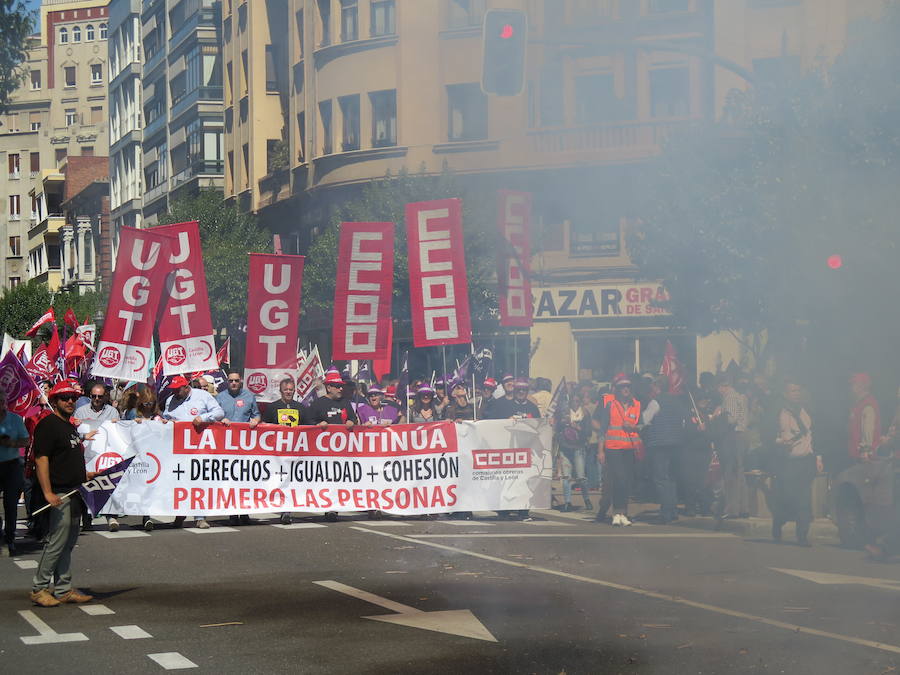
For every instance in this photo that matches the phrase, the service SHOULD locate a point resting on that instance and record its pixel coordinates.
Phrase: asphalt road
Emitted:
(554, 596)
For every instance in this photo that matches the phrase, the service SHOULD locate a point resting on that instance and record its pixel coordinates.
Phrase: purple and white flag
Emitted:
(96, 492)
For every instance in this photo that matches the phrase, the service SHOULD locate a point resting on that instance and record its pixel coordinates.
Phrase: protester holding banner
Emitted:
(191, 405)
(13, 436)
(460, 408)
(285, 411)
(59, 457)
(239, 406)
(375, 412)
(94, 414)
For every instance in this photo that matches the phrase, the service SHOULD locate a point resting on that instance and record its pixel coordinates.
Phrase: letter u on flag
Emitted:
(141, 267)
(362, 295)
(438, 288)
(185, 327)
(273, 314)
(514, 258)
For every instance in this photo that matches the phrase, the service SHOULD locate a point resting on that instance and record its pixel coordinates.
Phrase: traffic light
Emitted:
(505, 39)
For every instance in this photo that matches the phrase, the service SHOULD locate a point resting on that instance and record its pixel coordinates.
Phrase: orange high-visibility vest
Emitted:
(620, 416)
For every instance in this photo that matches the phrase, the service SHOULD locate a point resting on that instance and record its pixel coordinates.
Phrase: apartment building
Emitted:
(181, 99)
(125, 114)
(322, 96)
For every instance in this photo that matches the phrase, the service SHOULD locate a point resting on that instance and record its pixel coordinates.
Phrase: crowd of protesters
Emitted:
(634, 439)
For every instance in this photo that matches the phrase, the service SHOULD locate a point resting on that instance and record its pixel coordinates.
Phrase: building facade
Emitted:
(181, 97)
(323, 96)
(59, 110)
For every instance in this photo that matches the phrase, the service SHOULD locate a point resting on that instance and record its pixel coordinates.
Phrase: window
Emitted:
(102, 31)
(668, 6)
(15, 207)
(245, 151)
(271, 74)
(12, 122)
(13, 159)
(96, 114)
(63, 36)
(89, 32)
(325, 116)
(14, 281)
(325, 19)
(596, 100)
(71, 116)
(670, 92)
(593, 233)
(76, 34)
(35, 207)
(350, 122)
(384, 118)
(35, 79)
(87, 151)
(299, 17)
(349, 20)
(383, 22)
(70, 75)
(88, 252)
(464, 13)
(15, 246)
(301, 136)
(178, 87)
(35, 160)
(467, 112)
(96, 73)
(59, 155)
(34, 120)
(244, 71)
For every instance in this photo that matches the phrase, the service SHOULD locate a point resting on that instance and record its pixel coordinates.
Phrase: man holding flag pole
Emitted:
(59, 461)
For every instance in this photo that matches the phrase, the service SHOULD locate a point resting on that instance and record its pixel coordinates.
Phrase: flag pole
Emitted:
(515, 354)
(444, 359)
(68, 495)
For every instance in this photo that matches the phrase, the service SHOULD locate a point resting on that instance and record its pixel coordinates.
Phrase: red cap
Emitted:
(62, 388)
(178, 381)
(861, 378)
(490, 382)
(334, 377)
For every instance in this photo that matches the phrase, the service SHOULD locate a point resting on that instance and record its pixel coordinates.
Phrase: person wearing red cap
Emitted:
(618, 423)
(196, 406)
(59, 461)
(484, 402)
(865, 419)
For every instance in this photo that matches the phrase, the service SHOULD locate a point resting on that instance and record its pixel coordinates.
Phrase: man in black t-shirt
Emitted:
(285, 412)
(332, 408)
(59, 463)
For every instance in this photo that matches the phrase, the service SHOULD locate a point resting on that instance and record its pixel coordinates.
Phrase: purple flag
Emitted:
(96, 492)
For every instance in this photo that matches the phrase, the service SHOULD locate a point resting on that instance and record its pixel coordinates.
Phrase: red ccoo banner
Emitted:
(185, 326)
(438, 288)
(362, 296)
(514, 258)
(272, 320)
(137, 286)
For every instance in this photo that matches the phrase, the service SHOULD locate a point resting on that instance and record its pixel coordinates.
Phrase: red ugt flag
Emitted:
(48, 317)
(70, 319)
(672, 368)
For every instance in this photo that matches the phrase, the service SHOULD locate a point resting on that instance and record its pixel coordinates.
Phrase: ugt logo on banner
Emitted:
(438, 288)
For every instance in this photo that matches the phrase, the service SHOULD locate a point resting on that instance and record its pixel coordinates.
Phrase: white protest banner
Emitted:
(404, 469)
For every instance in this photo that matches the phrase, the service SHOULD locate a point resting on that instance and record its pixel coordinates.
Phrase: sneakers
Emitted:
(113, 525)
(148, 525)
(620, 520)
(233, 520)
(75, 596)
(44, 598)
(286, 519)
(202, 524)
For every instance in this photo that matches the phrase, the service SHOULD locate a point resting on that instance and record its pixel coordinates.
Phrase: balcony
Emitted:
(188, 100)
(156, 192)
(205, 17)
(155, 125)
(14, 175)
(643, 137)
(51, 224)
(198, 168)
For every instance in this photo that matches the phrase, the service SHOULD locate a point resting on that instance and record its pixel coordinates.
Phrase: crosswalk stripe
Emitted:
(172, 661)
(131, 632)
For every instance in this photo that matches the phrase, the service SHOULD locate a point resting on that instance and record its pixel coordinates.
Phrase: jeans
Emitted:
(735, 500)
(56, 560)
(662, 461)
(620, 467)
(573, 469)
(12, 478)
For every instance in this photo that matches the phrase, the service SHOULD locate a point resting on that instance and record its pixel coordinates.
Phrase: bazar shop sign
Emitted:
(600, 301)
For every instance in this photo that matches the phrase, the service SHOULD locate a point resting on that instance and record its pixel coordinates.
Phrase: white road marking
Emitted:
(95, 610)
(529, 535)
(387, 523)
(26, 564)
(546, 523)
(122, 534)
(466, 523)
(455, 622)
(805, 630)
(210, 530)
(172, 661)
(299, 526)
(834, 579)
(131, 632)
(46, 635)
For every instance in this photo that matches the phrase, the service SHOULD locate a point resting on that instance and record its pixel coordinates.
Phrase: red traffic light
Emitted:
(507, 32)
(835, 261)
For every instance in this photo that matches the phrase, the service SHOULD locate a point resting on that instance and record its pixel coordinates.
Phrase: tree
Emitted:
(21, 306)
(16, 23)
(385, 201)
(746, 213)
(227, 236)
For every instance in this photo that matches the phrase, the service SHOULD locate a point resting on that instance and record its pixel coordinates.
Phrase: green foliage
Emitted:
(746, 211)
(21, 306)
(385, 201)
(227, 236)
(16, 24)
